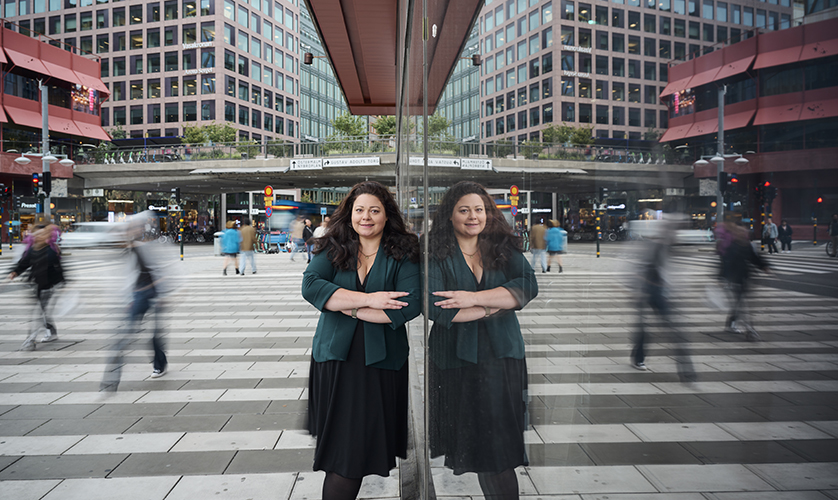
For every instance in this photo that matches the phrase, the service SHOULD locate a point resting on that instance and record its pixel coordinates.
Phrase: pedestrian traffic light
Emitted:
(728, 182)
(603, 194)
(4, 191)
(820, 200)
(36, 183)
(770, 193)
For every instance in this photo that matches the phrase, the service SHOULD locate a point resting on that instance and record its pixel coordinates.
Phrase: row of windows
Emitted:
(261, 10)
(154, 63)
(258, 96)
(174, 112)
(587, 114)
(695, 8)
(584, 88)
(188, 8)
(166, 87)
(651, 47)
(270, 54)
(61, 94)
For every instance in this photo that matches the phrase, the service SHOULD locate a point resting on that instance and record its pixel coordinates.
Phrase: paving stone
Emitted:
(752, 399)
(638, 453)
(50, 411)
(583, 401)
(658, 401)
(234, 487)
(802, 413)
(7, 461)
(147, 488)
(742, 452)
(627, 415)
(820, 450)
(605, 479)
(126, 443)
(272, 383)
(714, 414)
(244, 383)
(200, 423)
(257, 461)
(685, 478)
(806, 399)
(37, 445)
(62, 466)
(808, 476)
(272, 421)
(138, 410)
(220, 441)
(768, 495)
(66, 426)
(28, 490)
(772, 431)
(174, 464)
(225, 408)
(288, 406)
(19, 427)
(557, 455)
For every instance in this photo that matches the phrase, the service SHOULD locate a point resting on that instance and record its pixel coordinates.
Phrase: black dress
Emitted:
(357, 413)
(479, 411)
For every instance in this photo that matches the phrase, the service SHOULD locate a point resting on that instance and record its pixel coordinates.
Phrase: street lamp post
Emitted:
(719, 159)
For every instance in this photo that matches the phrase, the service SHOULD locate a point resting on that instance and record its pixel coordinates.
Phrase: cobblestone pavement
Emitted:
(226, 421)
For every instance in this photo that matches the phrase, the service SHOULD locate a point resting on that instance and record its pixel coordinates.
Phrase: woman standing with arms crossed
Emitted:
(364, 277)
(478, 276)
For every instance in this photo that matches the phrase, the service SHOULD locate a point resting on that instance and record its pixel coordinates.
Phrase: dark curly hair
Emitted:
(497, 243)
(341, 241)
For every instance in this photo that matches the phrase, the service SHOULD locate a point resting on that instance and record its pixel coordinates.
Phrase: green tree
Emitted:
(194, 134)
(652, 135)
(349, 125)
(437, 127)
(385, 126)
(582, 136)
(118, 132)
(220, 132)
(557, 134)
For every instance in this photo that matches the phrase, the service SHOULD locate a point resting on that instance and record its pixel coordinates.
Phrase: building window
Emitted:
(634, 69)
(70, 23)
(680, 28)
(119, 116)
(634, 117)
(154, 113)
(618, 115)
(119, 17)
(136, 40)
(172, 87)
(634, 21)
(694, 30)
(170, 36)
(171, 112)
(153, 12)
(190, 111)
(649, 23)
(618, 42)
(153, 38)
(102, 44)
(170, 61)
(207, 84)
(170, 12)
(190, 8)
(244, 114)
(229, 112)
(634, 45)
(136, 65)
(153, 63)
(601, 90)
(634, 93)
(602, 115)
(136, 115)
(568, 112)
(618, 67)
(154, 89)
(190, 85)
(585, 88)
(585, 113)
(119, 66)
(135, 14)
(568, 86)
(649, 72)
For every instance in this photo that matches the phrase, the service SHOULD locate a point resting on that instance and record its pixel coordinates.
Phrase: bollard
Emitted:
(598, 234)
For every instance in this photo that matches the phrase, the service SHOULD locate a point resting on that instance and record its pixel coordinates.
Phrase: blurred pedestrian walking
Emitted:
(308, 234)
(320, 230)
(230, 246)
(653, 295)
(296, 232)
(248, 236)
(538, 245)
(42, 258)
(737, 265)
(149, 286)
(556, 243)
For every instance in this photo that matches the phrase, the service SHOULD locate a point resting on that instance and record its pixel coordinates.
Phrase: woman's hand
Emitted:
(456, 299)
(386, 300)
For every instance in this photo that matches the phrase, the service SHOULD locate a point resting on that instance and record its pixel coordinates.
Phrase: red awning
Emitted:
(3, 118)
(92, 131)
(823, 48)
(24, 117)
(675, 133)
(3, 57)
(703, 78)
(91, 82)
(735, 68)
(738, 120)
(778, 57)
(676, 86)
(778, 114)
(63, 125)
(26, 61)
(824, 108)
(61, 72)
(703, 127)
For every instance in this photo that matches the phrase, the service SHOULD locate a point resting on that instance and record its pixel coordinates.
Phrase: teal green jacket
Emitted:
(385, 344)
(452, 344)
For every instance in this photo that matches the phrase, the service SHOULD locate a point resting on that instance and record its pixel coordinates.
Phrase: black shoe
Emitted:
(237, 271)
(548, 269)
(224, 273)
(560, 268)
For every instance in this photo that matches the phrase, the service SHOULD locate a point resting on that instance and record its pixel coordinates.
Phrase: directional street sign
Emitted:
(475, 164)
(307, 164)
(435, 162)
(352, 162)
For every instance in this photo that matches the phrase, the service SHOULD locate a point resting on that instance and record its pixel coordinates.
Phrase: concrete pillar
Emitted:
(222, 218)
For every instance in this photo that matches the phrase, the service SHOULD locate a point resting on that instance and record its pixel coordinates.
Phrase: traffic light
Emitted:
(5, 191)
(820, 200)
(759, 191)
(770, 193)
(603, 194)
(728, 182)
(36, 183)
(46, 182)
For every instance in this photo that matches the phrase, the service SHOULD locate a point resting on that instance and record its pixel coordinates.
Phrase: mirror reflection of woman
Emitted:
(478, 277)
(364, 277)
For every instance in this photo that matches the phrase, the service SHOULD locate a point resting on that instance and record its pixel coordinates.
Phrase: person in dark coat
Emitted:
(364, 278)
(784, 233)
(478, 277)
(737, 265)
(43, 260)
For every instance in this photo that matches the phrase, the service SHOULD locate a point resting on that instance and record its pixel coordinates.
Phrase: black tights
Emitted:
(337, 487)
(499, 485)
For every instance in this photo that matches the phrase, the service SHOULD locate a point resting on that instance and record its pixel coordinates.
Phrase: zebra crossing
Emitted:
(227, 421)
(799, 262)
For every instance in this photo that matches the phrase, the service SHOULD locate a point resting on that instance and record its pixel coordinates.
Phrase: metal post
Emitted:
(814, 232)
(720, 166)
(45, 149)
(762, 228)
(598, 233)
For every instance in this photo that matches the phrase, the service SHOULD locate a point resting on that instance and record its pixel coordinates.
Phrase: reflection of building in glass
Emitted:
(321, 98)
(598, 64)
(460, 102)
(780, 112)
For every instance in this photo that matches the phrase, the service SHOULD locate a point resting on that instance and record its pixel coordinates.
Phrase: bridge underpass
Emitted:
(227, 176)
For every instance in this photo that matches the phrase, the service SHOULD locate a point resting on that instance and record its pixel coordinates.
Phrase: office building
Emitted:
(598, 64)
(175, 63)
